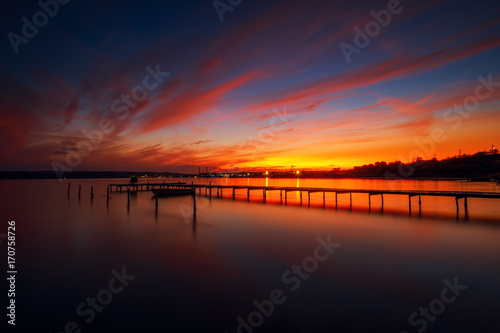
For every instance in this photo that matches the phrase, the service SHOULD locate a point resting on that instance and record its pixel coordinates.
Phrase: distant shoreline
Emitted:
(13, 175)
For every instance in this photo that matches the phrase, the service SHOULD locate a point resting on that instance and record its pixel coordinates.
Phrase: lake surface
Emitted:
(241, 266)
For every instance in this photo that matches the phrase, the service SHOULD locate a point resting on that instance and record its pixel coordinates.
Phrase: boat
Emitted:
(171, 192)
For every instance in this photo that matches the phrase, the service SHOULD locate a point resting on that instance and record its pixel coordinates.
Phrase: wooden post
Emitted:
(409, 200)
(419, 205)
(309, 199)
(156, 201)
(382, 208)
(286, 198)
(336, 200)
(281, 196)
(234, 193)
(107, 195)
(350, 195)
(324, 203)
(91, 192)
(194, 201)
(217, 192)
(369, 203)
(69, 186)
(458, 208)
(210, 189)
(466, 208)
(128, 196)
(79, 191)
(301, 197)
(248, 194)
(264, 192)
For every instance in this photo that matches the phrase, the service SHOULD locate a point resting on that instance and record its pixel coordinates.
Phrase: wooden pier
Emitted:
(311, 190)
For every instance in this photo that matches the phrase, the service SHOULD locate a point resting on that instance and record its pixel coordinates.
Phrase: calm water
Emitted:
(200, 274)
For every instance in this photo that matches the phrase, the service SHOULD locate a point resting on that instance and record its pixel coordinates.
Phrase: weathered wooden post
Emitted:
(194, 201)
(350, 196)
(107, 195)
(324, 200)
(419, 205)
(69, 186)
(79, 191)
(92, 193)
(369, 203)
(466, 208)
(382, 208)
(336, 200)
(309, 199)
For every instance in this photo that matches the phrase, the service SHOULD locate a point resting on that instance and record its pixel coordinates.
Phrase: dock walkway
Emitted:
(338, 191)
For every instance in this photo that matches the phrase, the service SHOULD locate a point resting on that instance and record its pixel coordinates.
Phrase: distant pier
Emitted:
(308, 190)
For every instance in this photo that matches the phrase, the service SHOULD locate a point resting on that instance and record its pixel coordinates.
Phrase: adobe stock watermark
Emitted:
(222, 6)
(121, 106)
(372, 29)
(30, 28)
(421, 319)
(427, 146)
(87, 310)
(292, 279)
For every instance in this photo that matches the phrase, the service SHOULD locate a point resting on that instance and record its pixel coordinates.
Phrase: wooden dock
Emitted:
(309, 190)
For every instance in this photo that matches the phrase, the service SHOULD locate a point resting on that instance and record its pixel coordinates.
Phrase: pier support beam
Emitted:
(234, 193)
(264, 195)
(369, 203)
(309, 199)
(419, 205)
(350, 196)
(194, 201)
(382, 206)
(458, 208)
(336, 200)
(286, 197)
(466, 208)
(301, 198)
(69, 186)
(79, 191)
(324, 200)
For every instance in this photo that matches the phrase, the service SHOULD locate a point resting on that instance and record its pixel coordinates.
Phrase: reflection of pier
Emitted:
(312, 190)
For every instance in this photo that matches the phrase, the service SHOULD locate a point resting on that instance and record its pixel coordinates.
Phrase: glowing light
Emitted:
(267, 172)
(298, 171)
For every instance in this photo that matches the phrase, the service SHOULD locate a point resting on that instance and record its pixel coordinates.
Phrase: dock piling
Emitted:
(466, 208)
(419, 205)
(69, 186)
(79, 191)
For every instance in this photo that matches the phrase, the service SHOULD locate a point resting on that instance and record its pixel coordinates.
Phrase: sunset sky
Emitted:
(269, 86)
